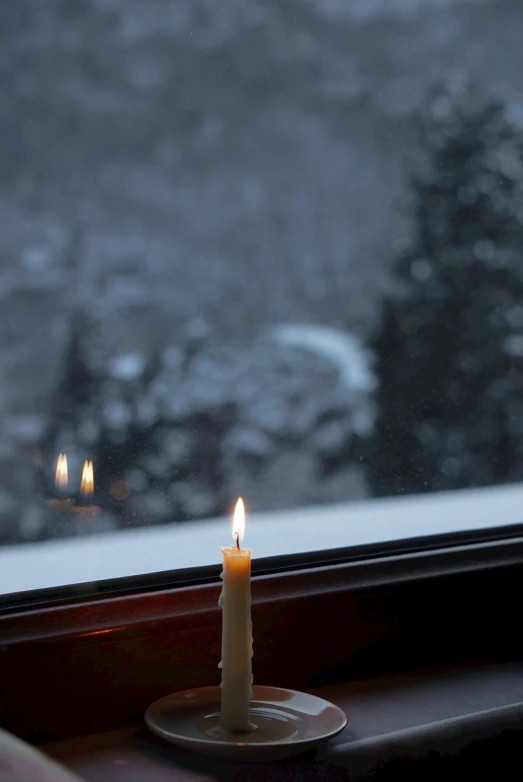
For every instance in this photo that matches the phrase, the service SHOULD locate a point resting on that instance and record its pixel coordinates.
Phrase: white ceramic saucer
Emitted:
(286, 723)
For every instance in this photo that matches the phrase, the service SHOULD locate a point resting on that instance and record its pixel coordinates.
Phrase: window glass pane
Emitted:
(263, 249)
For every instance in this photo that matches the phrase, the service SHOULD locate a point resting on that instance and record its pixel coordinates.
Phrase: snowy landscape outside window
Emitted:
(269, 249)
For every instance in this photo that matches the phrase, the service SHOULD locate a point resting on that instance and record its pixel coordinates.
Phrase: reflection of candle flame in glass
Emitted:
(87, 484)
(61, 476)
(238, 524)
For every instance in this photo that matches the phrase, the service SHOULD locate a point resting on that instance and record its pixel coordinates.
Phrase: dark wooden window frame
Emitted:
(92, 658)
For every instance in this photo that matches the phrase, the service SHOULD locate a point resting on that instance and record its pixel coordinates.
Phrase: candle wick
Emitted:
(238, 541)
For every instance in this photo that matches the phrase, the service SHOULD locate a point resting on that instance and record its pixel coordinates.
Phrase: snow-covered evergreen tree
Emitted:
(450, 348)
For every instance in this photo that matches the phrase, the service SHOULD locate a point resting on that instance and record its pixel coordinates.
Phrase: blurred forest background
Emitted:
(272, 248)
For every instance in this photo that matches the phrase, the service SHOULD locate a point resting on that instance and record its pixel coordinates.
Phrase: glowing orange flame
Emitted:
(87, 484)
(61, 475)
(238, 522)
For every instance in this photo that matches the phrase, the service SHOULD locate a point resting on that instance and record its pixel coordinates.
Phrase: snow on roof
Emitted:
(337, 346)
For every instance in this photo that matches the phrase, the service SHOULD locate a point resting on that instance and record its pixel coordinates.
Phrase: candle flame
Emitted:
(61, 475)
(238, 523)
(87, 484)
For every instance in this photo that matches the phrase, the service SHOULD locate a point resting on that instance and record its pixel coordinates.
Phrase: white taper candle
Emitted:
(235, 601)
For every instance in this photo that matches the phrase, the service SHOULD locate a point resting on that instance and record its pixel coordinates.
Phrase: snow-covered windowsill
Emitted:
(197, 543)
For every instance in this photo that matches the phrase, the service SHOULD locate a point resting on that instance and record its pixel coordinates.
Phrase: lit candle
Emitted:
(87, 483)
(61, 475)
(235, 601)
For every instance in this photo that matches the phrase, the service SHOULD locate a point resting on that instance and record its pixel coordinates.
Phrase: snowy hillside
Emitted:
(237, 164)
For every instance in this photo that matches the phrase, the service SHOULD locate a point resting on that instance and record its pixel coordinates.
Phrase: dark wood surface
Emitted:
(84, 667)
(375, 708)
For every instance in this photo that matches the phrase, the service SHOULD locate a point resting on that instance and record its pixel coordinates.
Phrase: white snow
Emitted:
(127, 367)
(151, 550)
(339, 347)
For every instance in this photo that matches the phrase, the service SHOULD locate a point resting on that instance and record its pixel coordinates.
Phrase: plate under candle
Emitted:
(286, 723)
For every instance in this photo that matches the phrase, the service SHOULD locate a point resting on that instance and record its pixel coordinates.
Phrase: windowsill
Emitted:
(433, 604)
(194, 544)
(410, 715)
